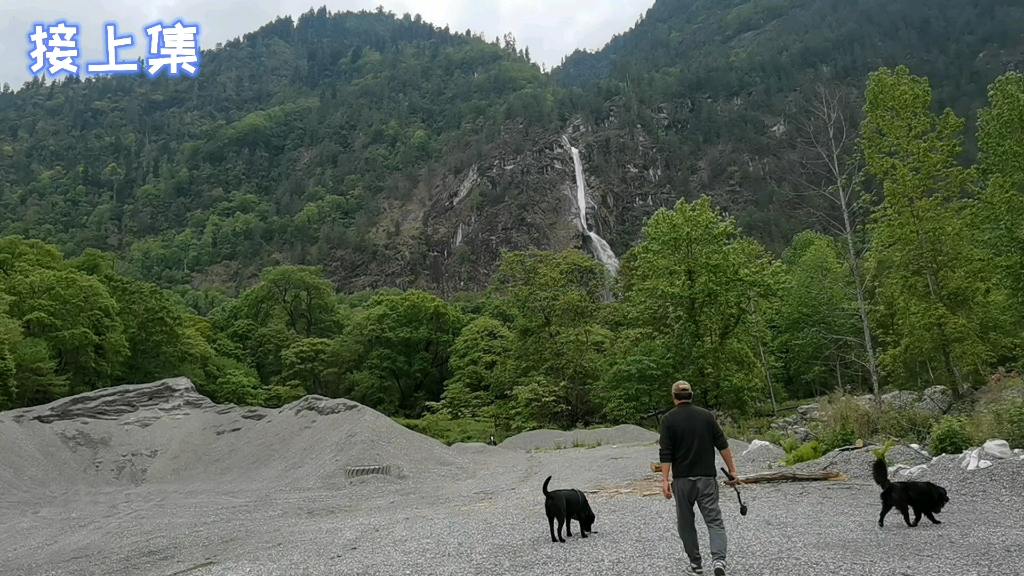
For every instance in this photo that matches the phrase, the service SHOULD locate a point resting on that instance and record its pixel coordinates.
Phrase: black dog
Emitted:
(567, 505)
(924, 497)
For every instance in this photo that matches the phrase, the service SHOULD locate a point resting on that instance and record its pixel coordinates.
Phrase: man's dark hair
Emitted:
(683, 396)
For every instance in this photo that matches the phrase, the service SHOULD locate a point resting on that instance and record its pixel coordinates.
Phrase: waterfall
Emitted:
(581, 192)
(458, 235)
(601, 250)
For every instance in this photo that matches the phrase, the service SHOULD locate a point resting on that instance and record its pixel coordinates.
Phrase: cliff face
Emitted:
(522, 195)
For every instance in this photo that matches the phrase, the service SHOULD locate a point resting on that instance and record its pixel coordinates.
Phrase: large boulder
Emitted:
(935, 400)
(901, 399)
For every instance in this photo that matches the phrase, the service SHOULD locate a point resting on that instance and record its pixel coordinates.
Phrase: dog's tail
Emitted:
(545, 488)
(880, 471)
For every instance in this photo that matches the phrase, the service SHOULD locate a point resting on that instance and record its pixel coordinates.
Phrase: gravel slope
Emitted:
(466, 510)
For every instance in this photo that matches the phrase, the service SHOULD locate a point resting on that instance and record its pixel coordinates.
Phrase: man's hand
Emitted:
(666, 489)
(727, 456)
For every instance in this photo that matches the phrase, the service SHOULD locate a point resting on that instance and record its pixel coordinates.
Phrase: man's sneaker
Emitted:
(719, 568)
(695, 569)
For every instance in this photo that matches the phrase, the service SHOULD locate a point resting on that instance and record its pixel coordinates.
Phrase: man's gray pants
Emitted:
(702, 490)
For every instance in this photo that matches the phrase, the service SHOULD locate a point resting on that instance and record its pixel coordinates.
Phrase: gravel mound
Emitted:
(856, 463)
(954, 469)
(622, 435)
(758, 456)
(167, 433)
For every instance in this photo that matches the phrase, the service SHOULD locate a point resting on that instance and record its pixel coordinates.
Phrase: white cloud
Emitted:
(550, 28)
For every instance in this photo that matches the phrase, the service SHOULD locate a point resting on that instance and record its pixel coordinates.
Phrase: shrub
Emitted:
(906, 425)
(748, 429)
(1004, 421)
(789, 445)
(844, 436)
(844, 419)
(949, 436)
(451, 431)
(1010, 419)
(774, 436)
(809, 451)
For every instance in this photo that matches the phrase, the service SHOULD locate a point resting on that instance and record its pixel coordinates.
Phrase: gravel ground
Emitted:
(467, 510)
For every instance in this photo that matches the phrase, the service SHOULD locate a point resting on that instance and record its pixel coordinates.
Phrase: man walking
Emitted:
(689, 436)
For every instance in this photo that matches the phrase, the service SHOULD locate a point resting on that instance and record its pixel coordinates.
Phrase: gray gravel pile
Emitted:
(166, 433)
(758, 456)
(622, 435)
(950, 469)
(256, 501)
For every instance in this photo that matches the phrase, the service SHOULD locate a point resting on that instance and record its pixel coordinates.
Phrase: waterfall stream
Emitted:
(601, 250)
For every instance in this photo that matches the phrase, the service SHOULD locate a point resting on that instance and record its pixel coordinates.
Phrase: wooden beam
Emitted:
(778, 476)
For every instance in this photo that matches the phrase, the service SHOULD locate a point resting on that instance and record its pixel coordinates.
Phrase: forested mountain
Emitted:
(347, 205)
(394, 153)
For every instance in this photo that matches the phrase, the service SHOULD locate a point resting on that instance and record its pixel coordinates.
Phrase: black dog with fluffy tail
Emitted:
(567, 505)
(924, 497)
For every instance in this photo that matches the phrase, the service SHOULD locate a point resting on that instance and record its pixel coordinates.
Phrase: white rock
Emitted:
(983, 464)
(917, 448)
(972, 460)
(756, 444)
(917, 469)
(998, 448)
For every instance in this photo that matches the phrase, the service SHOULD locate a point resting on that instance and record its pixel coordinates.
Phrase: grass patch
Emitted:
(844, 420)
(905, 425)
(451, 431)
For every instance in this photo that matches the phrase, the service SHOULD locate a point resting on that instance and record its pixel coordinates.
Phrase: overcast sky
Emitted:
(551, 28)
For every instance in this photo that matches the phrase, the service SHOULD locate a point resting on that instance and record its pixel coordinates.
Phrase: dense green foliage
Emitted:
(545, 347)
(203, 227)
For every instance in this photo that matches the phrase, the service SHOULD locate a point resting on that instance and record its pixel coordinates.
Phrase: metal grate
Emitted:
(356, 471)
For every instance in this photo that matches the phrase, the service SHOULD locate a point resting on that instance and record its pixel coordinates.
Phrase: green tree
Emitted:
(692, 284)
(76, 318)
(295, 295)
(1001, 198)
(933, 278)
(10, 334)
(160, 342)
(551, 303)
(818, 320)
(407, 341)
(482, 375)
(636, 381)
(307, 366)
